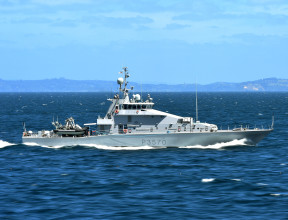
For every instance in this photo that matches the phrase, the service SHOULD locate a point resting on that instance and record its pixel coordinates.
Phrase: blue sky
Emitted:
(164, 41)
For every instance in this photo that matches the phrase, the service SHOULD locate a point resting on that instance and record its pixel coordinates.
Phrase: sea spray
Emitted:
(217, 146)
(5, 144)
(104, 147)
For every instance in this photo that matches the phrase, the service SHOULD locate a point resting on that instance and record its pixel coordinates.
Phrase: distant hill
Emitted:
(66, 85)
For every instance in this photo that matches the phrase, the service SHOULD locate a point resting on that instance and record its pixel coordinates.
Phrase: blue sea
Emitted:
(106, 182)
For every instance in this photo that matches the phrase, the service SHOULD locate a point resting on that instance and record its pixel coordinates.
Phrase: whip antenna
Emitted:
(196, 103)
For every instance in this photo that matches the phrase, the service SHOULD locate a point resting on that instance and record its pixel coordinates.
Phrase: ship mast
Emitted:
(124, 81)
(125, 90)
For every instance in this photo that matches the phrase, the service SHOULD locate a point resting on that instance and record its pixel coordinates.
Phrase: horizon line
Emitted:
(157, 83)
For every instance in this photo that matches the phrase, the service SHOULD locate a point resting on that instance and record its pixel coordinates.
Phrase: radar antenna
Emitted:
(124, 81)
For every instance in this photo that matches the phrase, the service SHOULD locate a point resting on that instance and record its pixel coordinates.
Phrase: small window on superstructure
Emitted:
(134, 106)
(180, 121)
(138, 106)
(143, 106)
(125, 106)
(129, 106)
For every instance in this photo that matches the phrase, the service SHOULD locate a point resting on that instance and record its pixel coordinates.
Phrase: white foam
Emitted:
(275, 194)
(262, 184)
(30, 144)
(5, 144)
(103, 147)
(35, 144)
(241, 142)
(55, 147)
(207, 180)
(236, 180)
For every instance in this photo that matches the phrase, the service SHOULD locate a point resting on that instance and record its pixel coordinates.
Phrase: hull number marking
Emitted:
(152, 142)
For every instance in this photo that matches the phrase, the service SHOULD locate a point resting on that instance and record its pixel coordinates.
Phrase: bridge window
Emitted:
(128, 106)
(180, 121)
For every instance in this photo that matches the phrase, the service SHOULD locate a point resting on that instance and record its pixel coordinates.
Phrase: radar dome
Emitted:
(120, 80)
(137, 97)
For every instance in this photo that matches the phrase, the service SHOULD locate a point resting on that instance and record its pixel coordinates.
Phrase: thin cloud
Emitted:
(174, 26)
(205, 21)
(116, 22)
(61, 2)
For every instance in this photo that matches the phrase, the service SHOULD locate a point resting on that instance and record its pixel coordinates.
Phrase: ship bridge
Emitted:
(136, 115)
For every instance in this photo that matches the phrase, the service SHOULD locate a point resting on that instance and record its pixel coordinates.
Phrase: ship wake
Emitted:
(241, 142)
(101, 147)
(5, 144)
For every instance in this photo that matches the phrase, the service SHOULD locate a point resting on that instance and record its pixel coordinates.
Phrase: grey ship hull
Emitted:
(156, 139)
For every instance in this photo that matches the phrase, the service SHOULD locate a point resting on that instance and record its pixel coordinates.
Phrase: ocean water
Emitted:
(224, 181)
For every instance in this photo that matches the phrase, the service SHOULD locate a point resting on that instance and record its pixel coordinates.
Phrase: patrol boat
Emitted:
(131, 121)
